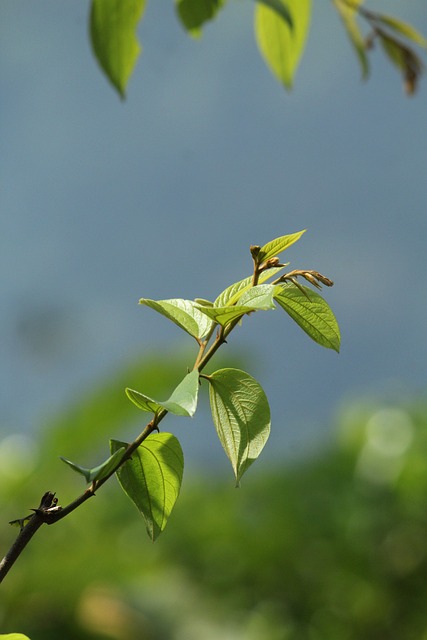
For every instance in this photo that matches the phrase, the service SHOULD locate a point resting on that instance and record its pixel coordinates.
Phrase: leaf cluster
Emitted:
(281, 30)
(150, 469)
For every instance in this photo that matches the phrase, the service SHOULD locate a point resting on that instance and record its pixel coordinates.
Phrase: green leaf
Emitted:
(225, 315)
(241, 415)
(276, 246)
(255, 298)
(232, 294)
(404, 29)
(184, 313)
(311, 313)
(14, 636)
(404, 58)
(182, 402)
(113, 26)
(194, 13)
(280, 45)
(152, 478)
(97, 473)
(281, 10)
(348, 16)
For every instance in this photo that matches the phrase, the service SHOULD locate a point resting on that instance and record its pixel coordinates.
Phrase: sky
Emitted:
(105, 201)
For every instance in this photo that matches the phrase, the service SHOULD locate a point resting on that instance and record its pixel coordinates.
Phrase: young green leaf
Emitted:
(99, 472)
(260, 297)
(404, 29)
(276, 246)
(193, 13)
(14, 636)
(152, 478)
(184, 313)
(182, 402)
(233, 293)
(254, 299)
(241, 415)
(281, 10)
(311, 313)
(280, 45)
(113, 26)
(348, 14)
(225, 315)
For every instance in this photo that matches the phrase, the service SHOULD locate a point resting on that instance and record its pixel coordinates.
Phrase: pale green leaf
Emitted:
(194, 13)
(276, 246)
(152, 478)
(241, 415)
(182, 402)
(259, 297)
(233, 293)
(113, 25)
(404, 29)
(184, 313)
(348, 14)
(225, 315)
(14, 636)
(99, 472)
(311, 313)
(280, 45)
(281, 9)
(253, 299)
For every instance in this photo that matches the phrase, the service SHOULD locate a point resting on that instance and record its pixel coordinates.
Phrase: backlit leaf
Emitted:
(404, 29)
(14, 636)
(276, 246)
(260, 297)
(182, 402)
(311, 313)
(152, 478)
(225, 315)
(281, 10)
(241, 415)
(113, 26)
(184, 313)
(233, 293)
(348, 16)
(99, 472)
(280, 45)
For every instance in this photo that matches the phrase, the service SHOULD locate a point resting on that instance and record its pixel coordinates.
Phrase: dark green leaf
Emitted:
(182, 402)
(311, 313)
(241, 415)
(152, 478)
(194, 13)
(113, 26)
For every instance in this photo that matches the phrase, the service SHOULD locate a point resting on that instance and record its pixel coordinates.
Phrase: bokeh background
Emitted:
(104, 201)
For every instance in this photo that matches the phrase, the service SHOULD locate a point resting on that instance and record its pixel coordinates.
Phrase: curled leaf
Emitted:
(182, 402)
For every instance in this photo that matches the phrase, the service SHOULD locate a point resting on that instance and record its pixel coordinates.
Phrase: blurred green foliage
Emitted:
(332, 547)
